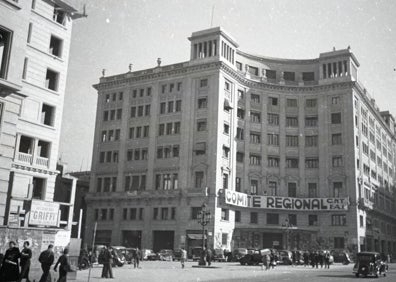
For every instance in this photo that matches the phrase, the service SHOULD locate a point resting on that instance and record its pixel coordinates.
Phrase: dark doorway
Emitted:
(132, 238)
(163, 240)
(272, 240)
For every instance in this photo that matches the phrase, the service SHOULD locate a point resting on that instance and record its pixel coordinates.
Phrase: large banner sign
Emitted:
(285, 203)
(44, 213)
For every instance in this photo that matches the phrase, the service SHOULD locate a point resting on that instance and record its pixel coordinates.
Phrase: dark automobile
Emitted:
(118, 256)
(285, 257)
(152, 256)
(253, 257)
(238, 253)
(128, 254)
(369, 264)
(196, 253)
(165, 254)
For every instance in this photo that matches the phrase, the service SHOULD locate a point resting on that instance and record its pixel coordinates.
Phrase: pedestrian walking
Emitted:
(312, 258)
(26, 255)
(10, 267)
(209, 256)
(272, 260)
(183, 257)
(136, 258)
(321, 259)
(316, 259)
(64, 266)
(46, 259)
(306, 259)
(294, 258)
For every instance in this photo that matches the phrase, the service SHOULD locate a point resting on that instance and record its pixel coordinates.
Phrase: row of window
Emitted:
(142, 92)
(137, 154)
(139, 132)
(108, 157)
(171, 87)
(110, 135)
(168, 152)
(140, 111)
(170, 106)
(114, 97)
(169, 128)
(115, 114)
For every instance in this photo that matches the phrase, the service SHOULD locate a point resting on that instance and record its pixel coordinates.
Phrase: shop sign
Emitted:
(44, 213)
(285, 203)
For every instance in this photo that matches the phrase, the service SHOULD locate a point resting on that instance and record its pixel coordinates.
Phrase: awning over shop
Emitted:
(195, 236)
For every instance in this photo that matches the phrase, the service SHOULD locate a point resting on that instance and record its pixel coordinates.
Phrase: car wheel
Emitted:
(357, 275)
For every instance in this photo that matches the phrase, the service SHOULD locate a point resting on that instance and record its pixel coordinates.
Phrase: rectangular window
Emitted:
(132, 213)
(226, 128)
(170, 107)
(199, 177)
(255, 98)
(335, 118)
(339, 242)
(311, 121)
(201, 125)
(271, 74)
(290, 76)
(195, 211)
(178, 105)
(291, 122)
(292, 219)
(55, 47)
(47, 115)
(203, 83)
(164, 213)
(254, 159)
(338, 220)
(240, 113)
(273, 139)
(177, 128)
(51, 80)
(147, 110)
(273, 188)
(311, 163)
(254, 217)
(312, 219)
(292, 189)
(291, 163)
(240, 134)
(273, 218)
(202, 103)
(336, 139)
(238, 184)
(30, 30)
(255, 117)
(255, 138)
(225, 214)
(337, 189)
(162, 108)
(25, 66)
(311, 141)
(155, 213)
(337, 161)
(140, 111)
(273, 119)
(253, 187)
(225, 181)
(291, 140)
(273, 101)
(59, 15)
(237, 216)
(292, 103)
(240, 157)
(273, 161)
(312, 190)
(308, 76)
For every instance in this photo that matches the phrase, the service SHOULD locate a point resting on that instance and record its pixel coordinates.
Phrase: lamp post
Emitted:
(203, 219)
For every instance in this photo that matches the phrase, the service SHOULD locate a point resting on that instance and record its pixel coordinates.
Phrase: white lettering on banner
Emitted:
(44, 213)
(285, 203)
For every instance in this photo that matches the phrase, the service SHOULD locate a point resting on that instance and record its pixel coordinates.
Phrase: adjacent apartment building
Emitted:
(285, 153)
(34, 53)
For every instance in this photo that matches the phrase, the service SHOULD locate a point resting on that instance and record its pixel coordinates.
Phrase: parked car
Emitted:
(119, 257)
(253, 257)
(153, 256)
(238, 253)
(165, 254)
(128, 253)
(218, 255)
(285, 257)
(145, 253)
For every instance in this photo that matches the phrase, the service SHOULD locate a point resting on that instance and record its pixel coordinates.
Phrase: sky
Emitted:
(117, 33)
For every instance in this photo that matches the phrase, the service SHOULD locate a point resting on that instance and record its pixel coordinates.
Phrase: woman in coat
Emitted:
(10, 266)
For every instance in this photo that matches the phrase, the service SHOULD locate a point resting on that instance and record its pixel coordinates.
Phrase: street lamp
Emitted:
(203, 219)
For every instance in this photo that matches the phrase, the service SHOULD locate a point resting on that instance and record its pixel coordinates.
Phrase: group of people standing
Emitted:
(316, 258)
(15, 265)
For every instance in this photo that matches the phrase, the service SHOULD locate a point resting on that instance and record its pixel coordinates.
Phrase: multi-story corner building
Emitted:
(34, 53)
(284, 153)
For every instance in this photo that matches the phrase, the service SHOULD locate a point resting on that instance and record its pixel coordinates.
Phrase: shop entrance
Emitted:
(163, 240)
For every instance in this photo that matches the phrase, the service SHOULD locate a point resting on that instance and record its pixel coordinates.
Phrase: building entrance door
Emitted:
(163, 240)
(132, 238)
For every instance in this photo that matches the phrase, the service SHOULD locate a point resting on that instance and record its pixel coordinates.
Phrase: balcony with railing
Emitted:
(25, 158)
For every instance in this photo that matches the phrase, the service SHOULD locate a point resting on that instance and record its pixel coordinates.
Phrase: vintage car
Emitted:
(369, 264)
(165, 254)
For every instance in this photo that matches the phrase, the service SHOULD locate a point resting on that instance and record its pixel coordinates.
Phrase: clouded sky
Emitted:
(119, 32)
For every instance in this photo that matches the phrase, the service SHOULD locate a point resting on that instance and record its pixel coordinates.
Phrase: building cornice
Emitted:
(34, 169)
